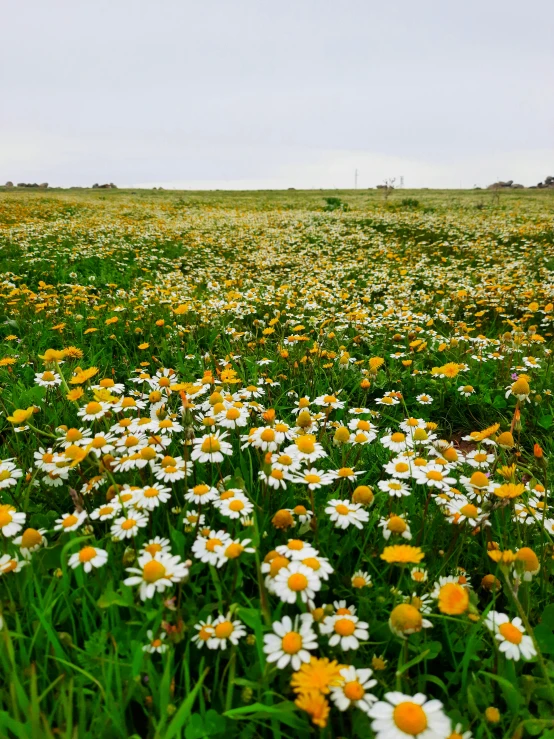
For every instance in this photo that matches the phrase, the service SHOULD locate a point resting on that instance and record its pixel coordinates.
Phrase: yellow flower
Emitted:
(73, 352)
(90, 330)
(21, 416)
(502, 558)
(75, 394)
(319, 675)
(144, 345)
(509, 490)
(81, 377)
(402, 554)
(53, 355)
(375, 363)
(7, 360)
(316, 706)
(453, 599)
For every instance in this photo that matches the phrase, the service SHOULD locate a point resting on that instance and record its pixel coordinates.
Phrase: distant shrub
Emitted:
(410, 202)
(335, 204)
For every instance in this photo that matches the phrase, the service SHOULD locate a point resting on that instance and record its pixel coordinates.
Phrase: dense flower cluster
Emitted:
(319, 472)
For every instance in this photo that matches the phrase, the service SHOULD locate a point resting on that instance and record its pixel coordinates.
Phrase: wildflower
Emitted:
(402, 554)
(9, 473)
(155, 644)
(201, 493)
(224, 629)
(492, 714)
(70, 521)
(283, 519)
(105, 512)
(89, 557)
(319, 675)
(396, 442)
(20, 416)
(306, 449)
(151, 497)
(394, 488)
(519, 389)
(514, 642)
(93, 410)
(211, 448)
(424, 399)
(236, 507)
(418, 574)
(296, 579)
(290, 642)
(206, 548)
(361, 579)
(11, 564)
(205, 632)
(466, 390)
(401, 716)
(509, 490)
(127, 527)
(313, 478)
(529, 562)
(31, 540)
(363, 494)
(232, 549)
(395, 525)
(47, 379)
(316, 706)
(296, 549)
(406, 619)
(345, 630)
(453, 598)
(354, 689)
(156, 574)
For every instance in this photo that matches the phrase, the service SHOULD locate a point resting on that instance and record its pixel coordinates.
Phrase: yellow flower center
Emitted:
(341, 509)
(211, 544)
(210, 444)
(236, 505)
(310, 478)
(397, 525)
(151, 493)
(69, 521)
(153, 571)
(128, 524)
(354, 691)
(93, 408)
(306, 444)
(224, 630)
(86, 554)
(312, 562)
(410, 718)
(345, 627)
(234, 550)
(402, 467)
(358, 582)
(30, 538)
(397, 437)
(435, 475)
(292, 643)
(511, 633)
(406, 617)
(5, 517)
(297, 582)
(453, 599)
(469, 511)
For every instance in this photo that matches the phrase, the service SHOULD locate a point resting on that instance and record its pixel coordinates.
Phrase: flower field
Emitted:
(276, 464)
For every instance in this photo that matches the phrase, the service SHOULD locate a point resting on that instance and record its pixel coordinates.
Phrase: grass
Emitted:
(377, 303)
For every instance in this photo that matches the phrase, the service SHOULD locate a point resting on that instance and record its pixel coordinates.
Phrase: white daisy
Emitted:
(290, 642)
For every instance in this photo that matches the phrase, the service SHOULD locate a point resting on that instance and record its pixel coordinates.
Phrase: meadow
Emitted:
(276, 464)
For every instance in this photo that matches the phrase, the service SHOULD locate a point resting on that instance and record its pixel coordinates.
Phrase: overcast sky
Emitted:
(261, 94)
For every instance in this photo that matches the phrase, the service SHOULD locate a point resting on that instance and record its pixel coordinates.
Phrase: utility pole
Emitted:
(355, 179)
